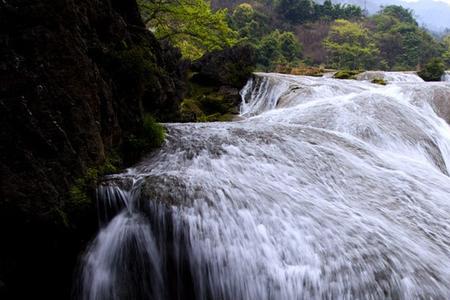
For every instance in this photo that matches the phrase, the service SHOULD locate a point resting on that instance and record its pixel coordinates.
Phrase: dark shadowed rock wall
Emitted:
(75, 79)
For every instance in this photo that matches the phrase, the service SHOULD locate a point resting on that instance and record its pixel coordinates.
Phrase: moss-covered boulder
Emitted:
(379, 81)
(209, 103)
(346, 74)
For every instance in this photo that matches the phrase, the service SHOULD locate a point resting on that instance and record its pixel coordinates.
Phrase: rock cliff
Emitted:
(75, 80)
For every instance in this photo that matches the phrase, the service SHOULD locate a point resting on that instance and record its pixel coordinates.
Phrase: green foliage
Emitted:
(154, 133)
(278, 48)
(250, 24)
(303, 11)
(207, 104)
(446, 47)
(400, 13)
(296, 11)
(433, 70)
(190, 25)
(350, 46)
(81, 193)
(152, 137)
(273, 47)
(403, 45)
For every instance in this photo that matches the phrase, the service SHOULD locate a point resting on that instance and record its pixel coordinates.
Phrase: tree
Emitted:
(250, 24)
(433, 70)
(190, 25)
(289, 45)
(297, 11)
(350, 46)
(404, 15)
(278, 48)
(403, 45)
(446, 46)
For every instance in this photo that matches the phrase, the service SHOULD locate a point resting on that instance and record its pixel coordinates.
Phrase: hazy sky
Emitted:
(434, 14)
(444, 1)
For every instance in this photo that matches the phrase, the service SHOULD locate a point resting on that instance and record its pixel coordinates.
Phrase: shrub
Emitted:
(153, 132)
(433, 70)
(135, 146)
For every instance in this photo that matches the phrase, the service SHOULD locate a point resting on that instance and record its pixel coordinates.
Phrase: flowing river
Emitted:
(326, 189)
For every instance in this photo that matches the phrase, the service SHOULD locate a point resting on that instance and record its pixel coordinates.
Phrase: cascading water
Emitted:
(329, 189)
(390, 76)
(446, 76)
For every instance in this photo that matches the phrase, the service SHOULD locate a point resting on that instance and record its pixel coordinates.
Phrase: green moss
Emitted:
(380, 81)
(190, 110)
(346, 74)
(151, 137)
(154, 133)
(81, 193)
(217, 117)
(207, 104)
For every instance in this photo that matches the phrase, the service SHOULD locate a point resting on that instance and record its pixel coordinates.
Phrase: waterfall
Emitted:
(327, 189)
(446, 76)
(390, 76)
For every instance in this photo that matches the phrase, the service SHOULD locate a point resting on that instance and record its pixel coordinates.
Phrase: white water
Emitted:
(446, 76)
(330, 189)
(390, 76)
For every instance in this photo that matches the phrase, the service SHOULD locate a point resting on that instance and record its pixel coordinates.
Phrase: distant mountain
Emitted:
(433, 14)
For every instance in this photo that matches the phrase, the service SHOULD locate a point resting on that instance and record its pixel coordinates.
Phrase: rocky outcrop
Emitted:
(75, 79)
(213, 93)
(229, 67)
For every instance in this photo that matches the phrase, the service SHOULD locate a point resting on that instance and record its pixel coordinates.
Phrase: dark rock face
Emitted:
(229, 67)
(75, 78)
(213, 92)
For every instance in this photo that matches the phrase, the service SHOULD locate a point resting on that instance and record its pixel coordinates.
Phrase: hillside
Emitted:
(432, 14)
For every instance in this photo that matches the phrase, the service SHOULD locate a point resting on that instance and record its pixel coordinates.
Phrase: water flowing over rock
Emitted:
(446, 76)
(327, 189)
(390, 76)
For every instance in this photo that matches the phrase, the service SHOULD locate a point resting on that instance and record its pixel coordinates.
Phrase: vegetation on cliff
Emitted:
(78, 78)
(86, 83)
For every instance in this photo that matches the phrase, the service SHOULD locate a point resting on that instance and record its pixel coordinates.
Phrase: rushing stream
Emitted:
(327, 189)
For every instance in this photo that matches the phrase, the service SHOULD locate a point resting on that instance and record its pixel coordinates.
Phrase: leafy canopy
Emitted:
(403, 44)
(190, 25)
(350, 46)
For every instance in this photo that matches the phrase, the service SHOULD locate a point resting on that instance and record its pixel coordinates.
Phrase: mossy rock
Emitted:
(82, 192)
(346, 74)
(217, 117)
(190, 110)
(379, 81)
(208, 104)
